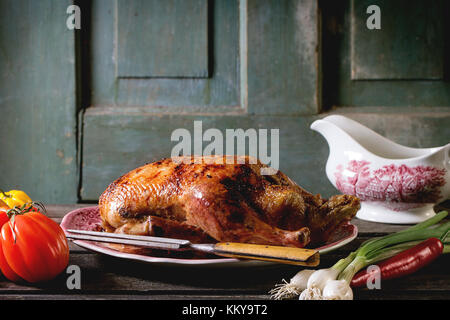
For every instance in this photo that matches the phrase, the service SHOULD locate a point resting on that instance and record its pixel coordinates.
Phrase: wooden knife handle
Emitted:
(289, 255)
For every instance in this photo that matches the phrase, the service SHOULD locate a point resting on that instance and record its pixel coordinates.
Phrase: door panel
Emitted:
(404, 64)
(283, 53)
(187, 80)
(162, 39)
(38, 128)
(409, 45)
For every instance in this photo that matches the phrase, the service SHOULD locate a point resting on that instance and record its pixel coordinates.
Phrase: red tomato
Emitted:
(3, 216)
(33, 247)
(8, 273)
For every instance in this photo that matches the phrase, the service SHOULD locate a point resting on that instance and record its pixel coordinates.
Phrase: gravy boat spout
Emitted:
(395, 183)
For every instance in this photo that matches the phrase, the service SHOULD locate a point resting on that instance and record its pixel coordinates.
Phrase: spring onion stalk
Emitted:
(446, 249)
(293, 288)
(387, 246)
(420, 226)
(334, 283)
(403, 236)
(337, 290)
(311, 294)
(313, 280)
(427, 223)
(320, 279)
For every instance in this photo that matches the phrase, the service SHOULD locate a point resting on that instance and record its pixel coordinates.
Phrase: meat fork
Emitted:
(287, 255)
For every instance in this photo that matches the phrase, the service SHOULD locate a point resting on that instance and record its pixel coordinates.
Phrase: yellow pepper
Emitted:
(14, 198)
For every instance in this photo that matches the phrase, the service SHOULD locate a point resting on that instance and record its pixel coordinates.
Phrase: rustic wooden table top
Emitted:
(105, 277)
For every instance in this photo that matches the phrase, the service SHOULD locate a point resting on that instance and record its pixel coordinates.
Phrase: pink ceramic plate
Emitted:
(89, 219)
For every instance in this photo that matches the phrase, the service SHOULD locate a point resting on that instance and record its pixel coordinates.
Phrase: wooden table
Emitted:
(104, 277)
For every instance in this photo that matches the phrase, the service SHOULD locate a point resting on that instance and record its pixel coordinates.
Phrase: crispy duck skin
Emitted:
(206, 198)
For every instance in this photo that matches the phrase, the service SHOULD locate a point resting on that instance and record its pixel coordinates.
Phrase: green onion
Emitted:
(334, 282)
(387, 246)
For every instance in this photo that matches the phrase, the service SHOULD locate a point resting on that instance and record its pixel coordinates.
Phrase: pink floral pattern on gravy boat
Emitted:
(396, 184)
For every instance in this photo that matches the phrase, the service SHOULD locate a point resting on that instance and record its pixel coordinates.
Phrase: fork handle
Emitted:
(288, 255)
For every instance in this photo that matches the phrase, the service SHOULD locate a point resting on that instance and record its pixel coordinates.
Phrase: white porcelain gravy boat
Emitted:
(396, 184)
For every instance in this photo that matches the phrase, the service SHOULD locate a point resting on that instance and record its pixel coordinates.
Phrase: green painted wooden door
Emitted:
(244, 66)
(105, 99)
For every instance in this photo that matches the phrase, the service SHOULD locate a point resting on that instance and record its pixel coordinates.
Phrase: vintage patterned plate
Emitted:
(89, 219)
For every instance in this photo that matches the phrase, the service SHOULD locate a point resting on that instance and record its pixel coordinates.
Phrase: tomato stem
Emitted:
(4, 194)
(26, 207)
(39, 205)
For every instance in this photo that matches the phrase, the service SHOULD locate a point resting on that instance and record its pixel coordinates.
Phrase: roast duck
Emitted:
(205, 200)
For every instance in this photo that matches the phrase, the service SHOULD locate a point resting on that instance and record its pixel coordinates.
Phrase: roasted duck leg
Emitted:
(227, 202)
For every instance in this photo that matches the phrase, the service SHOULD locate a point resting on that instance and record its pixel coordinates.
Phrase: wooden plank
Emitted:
(38, 100)
(363, 295)
(168, 39)
(218, 93)
(137, 139)
(129, 296)
(283, 57)
(102, 275)
(115, 142)
(409, 45)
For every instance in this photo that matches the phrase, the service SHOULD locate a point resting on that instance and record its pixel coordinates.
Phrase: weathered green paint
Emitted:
(338, 87)
(135, 139)
(264, 71)
(274, 42)
(37, 100)
(283, 57)
(162, 39)
(279, 76)
(168, 94)
(265, 61)
(409, 45)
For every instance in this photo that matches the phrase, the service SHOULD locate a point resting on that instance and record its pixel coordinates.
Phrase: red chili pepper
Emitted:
(404, 263)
